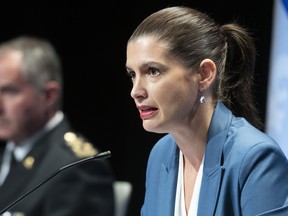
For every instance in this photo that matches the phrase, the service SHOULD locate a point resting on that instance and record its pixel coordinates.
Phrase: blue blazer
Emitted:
(245, 172)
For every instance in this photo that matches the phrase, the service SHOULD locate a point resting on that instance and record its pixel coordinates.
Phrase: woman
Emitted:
(193, 79)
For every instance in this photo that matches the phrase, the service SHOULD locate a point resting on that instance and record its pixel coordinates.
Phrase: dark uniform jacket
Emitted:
(85, 189)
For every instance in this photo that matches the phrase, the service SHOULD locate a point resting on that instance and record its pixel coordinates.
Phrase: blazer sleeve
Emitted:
(264, 181)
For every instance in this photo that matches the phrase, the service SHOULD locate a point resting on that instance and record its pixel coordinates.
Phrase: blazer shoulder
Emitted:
(79, 145)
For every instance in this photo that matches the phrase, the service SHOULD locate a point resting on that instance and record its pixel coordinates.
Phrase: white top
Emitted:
(20, 151)
(180, 200)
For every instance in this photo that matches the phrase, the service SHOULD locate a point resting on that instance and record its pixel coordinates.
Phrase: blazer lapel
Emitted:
(211, 181)
(213, 170)
(167, 185)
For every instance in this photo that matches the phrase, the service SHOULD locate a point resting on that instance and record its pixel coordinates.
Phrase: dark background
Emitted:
(91, 40)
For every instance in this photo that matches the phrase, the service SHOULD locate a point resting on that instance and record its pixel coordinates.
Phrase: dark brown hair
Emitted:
(193, 36)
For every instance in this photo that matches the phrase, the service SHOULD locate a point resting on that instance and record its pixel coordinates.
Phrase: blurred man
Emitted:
(39, 139)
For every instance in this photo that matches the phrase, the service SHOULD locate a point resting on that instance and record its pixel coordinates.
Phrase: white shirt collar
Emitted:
(20, 151)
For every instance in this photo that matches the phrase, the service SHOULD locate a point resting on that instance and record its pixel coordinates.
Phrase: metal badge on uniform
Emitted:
(13, 214)
(79, 146)
(28, 162)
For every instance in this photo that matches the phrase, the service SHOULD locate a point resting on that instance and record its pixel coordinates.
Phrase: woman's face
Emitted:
(164, 91)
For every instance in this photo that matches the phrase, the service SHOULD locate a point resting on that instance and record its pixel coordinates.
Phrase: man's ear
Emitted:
(52, 92)
(207, 73)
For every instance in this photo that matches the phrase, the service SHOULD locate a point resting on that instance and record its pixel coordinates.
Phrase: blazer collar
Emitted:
(213, 171)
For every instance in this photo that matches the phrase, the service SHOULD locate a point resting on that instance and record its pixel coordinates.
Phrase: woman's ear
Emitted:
(207, 73)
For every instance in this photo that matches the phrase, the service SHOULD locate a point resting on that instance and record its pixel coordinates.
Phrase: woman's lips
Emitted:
(148, 114)
(147, 111)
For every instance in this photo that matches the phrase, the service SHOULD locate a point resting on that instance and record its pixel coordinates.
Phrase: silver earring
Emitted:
(202, 99)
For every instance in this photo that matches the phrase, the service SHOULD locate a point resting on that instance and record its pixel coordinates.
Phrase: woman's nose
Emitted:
(138, 90)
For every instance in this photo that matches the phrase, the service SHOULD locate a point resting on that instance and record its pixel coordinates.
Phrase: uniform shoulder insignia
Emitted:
(79, 146)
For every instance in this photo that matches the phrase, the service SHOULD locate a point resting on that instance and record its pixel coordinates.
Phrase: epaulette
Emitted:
(79, 146)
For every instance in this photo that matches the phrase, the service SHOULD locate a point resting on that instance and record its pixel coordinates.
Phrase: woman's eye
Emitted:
(131, 74)
(153, 72)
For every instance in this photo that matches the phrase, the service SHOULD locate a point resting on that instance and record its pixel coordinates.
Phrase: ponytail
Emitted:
(237, 80)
